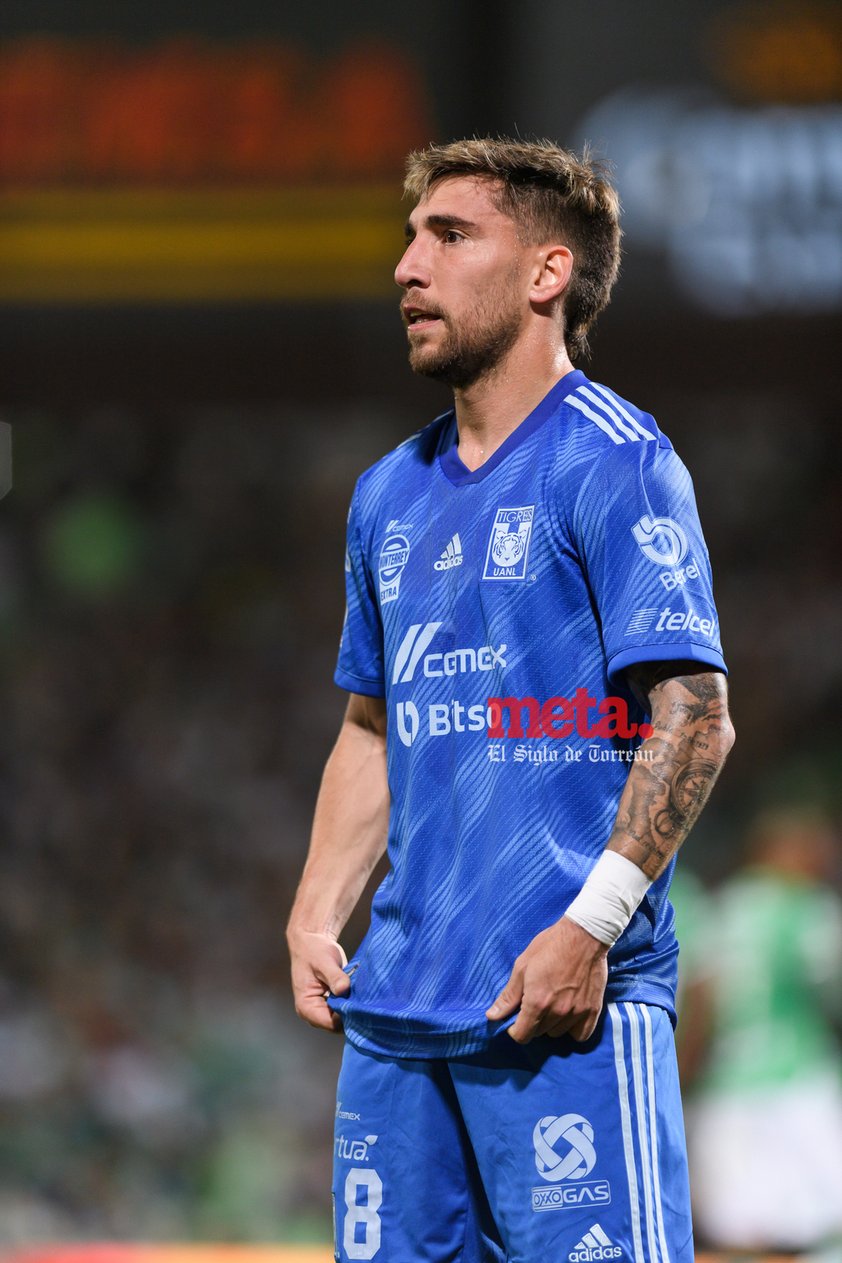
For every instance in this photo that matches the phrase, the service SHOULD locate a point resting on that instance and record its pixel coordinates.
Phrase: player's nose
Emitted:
(412, 271)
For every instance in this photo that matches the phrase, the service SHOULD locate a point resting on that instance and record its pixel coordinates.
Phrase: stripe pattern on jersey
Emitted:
(631, 1028)
(606, 411)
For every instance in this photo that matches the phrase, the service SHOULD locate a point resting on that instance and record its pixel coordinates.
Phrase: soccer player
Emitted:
(772, 1082)
(537, 715)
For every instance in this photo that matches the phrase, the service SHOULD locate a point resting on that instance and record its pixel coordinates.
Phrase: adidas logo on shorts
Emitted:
(452, 555)
(595, 1245)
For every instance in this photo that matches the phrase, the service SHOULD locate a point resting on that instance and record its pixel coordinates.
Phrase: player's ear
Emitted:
(551, 274)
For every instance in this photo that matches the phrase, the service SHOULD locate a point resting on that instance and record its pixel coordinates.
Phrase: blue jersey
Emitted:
(495, 610)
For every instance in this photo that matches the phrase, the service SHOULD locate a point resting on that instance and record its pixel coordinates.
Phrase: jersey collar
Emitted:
(460, 475)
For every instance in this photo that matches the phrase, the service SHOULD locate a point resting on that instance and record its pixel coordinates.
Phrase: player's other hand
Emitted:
(557, 983)
(317, 961)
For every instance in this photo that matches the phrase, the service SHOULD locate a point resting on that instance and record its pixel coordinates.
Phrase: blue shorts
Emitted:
(550, 1152)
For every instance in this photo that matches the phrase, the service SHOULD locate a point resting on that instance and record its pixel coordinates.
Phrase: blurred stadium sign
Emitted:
(786, 52)
(258, 157)
(188, 170)
(189, 111)
(142, 245)
(745, 204)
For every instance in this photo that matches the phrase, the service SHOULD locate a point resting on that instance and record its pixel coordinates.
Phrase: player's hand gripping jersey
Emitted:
(495, 611)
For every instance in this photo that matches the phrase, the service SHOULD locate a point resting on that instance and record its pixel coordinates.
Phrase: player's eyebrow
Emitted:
(441, 222)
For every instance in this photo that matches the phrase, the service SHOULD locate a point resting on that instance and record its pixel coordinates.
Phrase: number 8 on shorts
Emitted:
(361, 1229)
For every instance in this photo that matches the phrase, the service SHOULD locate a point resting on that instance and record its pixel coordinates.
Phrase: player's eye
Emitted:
(450, 236)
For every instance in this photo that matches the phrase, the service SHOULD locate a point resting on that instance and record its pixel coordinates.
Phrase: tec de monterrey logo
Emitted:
(564, 1155)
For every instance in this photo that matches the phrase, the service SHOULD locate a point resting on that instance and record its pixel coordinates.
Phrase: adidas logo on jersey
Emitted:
(594, 1246)
(452, 555)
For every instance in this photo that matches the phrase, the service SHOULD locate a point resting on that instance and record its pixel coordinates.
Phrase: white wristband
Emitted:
(609, 898)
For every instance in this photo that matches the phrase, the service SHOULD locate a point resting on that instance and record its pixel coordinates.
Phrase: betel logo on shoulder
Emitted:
(564, 1154)
(664, 542)
(508, 543)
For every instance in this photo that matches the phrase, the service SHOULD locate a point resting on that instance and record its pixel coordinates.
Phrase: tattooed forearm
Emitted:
(667, 789)
(688, 793)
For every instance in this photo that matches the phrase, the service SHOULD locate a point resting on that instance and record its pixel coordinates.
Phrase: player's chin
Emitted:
(426, 333)
(428, 361)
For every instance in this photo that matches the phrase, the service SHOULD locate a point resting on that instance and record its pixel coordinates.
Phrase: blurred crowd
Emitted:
(170, 604)
(169, 622)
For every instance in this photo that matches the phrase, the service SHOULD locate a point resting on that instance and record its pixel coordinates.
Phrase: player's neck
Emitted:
(490, 409)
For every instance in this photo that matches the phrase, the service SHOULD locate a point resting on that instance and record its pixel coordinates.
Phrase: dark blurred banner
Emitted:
(180, 155)
(195, 170)
(736, 184)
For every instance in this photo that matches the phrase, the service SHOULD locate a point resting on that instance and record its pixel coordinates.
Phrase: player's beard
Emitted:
(485, 335)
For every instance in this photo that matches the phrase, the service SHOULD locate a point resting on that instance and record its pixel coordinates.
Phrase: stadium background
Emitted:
(200, 350)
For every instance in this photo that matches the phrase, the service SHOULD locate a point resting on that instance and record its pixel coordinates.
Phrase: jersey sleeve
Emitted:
(360, 665)
(637, 532)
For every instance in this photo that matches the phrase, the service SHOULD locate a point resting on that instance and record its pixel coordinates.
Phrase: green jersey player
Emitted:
(766, 1134)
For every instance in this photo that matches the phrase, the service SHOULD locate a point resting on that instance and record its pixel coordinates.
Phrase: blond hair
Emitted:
(552, 195)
